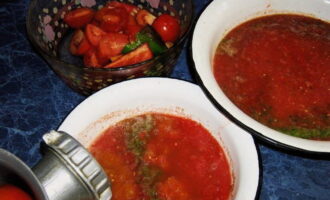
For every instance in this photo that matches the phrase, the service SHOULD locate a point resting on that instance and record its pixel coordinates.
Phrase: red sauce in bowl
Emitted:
(163, 157)
(277, 70)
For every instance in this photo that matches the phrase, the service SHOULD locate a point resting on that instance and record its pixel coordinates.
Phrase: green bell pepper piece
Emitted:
(146, 35)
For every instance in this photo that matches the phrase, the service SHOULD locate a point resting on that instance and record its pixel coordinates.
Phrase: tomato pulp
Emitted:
(277, 70)
(11, 192)
(164, 157)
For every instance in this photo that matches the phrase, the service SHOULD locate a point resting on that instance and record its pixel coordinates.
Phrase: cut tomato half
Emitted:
(94, 34)
(112, 19)
(79, 44)
(80, 17)
(131, 20)
(112, 45)
(91, 59)
(132, 31)
(132, 28)
(130, 8)
(142, 53)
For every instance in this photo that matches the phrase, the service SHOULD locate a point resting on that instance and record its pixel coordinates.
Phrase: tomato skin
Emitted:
(10, 192)
(168, 27)
(132, 31)
(79, 44)
(94, 34)
(131, 9)
(80, 17)
(100, 13)
(132, 28)
(112, 45)
(112, 19)
(91, 59)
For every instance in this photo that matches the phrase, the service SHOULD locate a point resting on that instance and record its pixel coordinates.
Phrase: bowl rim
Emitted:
(132, 85)
(177, 44)
(313, 149)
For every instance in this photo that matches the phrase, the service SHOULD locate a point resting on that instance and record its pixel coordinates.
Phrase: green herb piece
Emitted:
(149, 176)
(226, 47)
(137, 132)
(136, 145)
(307, 133)
(147, 35)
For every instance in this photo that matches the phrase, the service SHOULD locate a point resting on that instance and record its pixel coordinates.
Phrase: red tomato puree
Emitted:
(163, 157)
(277, 70)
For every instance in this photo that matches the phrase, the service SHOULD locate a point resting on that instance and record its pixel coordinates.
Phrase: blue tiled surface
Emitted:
(33, 100)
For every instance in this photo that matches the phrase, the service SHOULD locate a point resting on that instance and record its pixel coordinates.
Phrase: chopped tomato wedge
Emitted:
(132, 31)
(94, 34)
(112, 45)
(91, 59)
(144, 17)
(112, 19)
(80, 17)
(168, 27)
(132, 28)
(131, 20)
(131, 9)
(79, 44)
(100, 13)
(139, 55)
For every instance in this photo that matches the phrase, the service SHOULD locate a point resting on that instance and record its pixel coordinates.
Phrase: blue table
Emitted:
(34, 100)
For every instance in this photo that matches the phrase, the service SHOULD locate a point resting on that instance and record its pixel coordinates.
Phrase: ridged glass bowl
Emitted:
(49, 35)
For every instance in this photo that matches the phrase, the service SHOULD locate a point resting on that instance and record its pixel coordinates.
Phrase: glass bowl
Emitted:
(48, 33)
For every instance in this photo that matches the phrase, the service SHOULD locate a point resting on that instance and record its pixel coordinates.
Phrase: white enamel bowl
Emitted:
(215, 22)
(171, 96)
